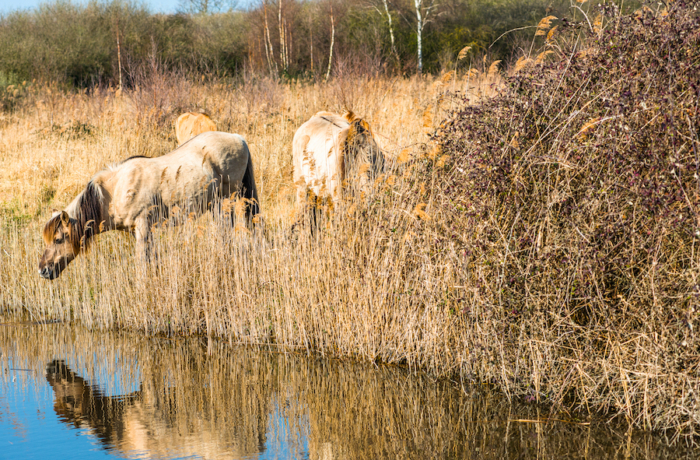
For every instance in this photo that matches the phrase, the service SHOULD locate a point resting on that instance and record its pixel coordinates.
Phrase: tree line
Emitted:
(103, 42)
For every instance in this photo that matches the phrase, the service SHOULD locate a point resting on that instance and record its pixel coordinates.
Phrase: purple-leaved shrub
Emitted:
(574, 198)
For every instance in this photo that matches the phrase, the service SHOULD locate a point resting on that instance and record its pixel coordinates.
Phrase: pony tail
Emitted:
(250, 191)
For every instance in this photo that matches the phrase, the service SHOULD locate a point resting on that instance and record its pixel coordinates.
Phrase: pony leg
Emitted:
(144, 240)
(300, 208)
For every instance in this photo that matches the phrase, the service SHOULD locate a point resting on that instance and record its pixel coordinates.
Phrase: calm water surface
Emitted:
(69, 393)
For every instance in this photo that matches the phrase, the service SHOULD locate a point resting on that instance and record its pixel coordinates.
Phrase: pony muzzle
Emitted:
(51, 271)
(48, 273)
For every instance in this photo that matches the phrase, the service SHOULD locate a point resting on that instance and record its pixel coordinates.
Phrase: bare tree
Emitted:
(207, 6)
(119, 53)
(311, 42)
(422, 13)
(282, 27)
(269, 52)
(387, 13)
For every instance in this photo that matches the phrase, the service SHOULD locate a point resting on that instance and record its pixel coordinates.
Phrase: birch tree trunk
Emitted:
(391, 33)
(330, 56)
(311, 43)
(119, 57)
(268, 43)
(419, 30)
(283, 44)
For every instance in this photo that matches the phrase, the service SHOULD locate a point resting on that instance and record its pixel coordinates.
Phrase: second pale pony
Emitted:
(331, 151)
(190, 124)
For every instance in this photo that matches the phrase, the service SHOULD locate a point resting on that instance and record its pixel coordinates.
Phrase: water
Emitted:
(69, 393)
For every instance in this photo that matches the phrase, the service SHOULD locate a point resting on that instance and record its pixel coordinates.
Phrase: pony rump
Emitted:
(332, 152)
(190, 124)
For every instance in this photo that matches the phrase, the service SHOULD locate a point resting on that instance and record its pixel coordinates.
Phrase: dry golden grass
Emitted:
(54, 142)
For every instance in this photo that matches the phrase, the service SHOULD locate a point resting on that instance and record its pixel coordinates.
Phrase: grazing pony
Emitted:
(330, 151)
(133, 195)
(189, 124)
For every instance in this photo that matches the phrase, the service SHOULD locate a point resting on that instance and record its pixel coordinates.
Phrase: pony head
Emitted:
(66, 236)
(362, 155)
(62, 245)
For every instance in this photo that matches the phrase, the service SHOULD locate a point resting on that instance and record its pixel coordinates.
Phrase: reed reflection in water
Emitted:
(165, 398)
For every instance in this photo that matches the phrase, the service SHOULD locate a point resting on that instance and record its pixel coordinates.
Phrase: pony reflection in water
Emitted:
(81, 404)
(134, 194)
(153, 422)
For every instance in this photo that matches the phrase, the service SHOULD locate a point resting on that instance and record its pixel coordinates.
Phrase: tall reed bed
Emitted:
(344, 289)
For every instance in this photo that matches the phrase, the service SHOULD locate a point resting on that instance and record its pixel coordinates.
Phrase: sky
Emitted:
(156, 6)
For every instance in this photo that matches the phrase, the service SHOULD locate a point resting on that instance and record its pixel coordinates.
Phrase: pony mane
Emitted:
(89, 213)
(51, 227)
(132, 158)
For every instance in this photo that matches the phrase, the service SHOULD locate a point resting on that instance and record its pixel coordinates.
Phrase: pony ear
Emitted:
(362, 125)
(65, 220)
(358, 126)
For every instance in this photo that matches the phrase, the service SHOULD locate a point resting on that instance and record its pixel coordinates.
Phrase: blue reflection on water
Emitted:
(29, 427)
(281, 445)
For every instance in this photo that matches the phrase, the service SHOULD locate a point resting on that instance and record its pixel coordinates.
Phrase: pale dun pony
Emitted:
(135, 194)
(190, 124)
(332, 153)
